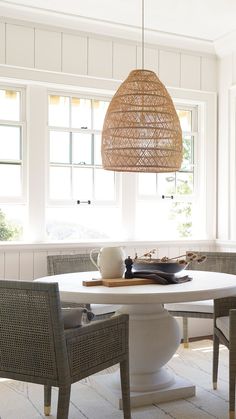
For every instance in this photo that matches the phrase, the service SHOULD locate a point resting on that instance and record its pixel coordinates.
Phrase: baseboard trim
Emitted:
(196, 338)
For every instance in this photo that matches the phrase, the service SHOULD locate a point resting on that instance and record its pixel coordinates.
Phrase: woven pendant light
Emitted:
(141, 131)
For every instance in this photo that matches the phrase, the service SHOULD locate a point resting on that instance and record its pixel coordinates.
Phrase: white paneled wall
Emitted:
(100, 58)
(20, 45)
(190, 71)
(225, 82)
(169, 68)
(2, 265)
(39, 263)
(74, 54)
(12, 265)
(150, 58)
(209, 74)
(2, 43)
(28, 262)
(48, 54)
(26, 266)
(47, 48)
(124, 60)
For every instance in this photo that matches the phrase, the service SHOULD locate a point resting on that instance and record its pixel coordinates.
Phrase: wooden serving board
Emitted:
(117, 282)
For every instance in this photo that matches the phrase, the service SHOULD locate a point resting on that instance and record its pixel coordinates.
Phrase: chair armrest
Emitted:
(222, 306)
(97, 345)
(232, 326)
(97, 325)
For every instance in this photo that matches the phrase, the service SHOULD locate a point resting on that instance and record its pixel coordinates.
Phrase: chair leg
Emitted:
(63, 402)
(185, 332)
(47, 400)
(125, 388)
(232, 374)
(216, 344)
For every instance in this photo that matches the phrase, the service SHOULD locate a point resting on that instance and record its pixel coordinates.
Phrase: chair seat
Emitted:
(205, 306)
(223, 324)
(99, 309)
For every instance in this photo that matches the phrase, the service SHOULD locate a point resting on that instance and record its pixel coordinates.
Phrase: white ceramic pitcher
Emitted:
(110, 262)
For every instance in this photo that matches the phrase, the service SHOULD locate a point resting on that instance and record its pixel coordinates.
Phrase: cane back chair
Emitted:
(61, 264)
(225, 333)
(35, 347)
(224, 262)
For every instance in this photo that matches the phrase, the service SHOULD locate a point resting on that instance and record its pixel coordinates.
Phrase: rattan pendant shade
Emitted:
(141, 131)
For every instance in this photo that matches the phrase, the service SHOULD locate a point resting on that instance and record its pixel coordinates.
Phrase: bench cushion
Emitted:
(98, 309)
(205, 306)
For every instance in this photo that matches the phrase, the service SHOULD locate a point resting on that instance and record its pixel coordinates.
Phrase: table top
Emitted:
(204, 286)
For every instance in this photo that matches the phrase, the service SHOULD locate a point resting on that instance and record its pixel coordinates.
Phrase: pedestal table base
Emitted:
(154, 338)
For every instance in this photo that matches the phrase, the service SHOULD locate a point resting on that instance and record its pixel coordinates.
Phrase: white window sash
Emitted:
(23, 161)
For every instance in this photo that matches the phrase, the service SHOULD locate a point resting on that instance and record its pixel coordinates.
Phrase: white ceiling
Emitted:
(206, 20)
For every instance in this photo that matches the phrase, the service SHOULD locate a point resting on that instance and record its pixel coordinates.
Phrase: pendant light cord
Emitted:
(142, 34)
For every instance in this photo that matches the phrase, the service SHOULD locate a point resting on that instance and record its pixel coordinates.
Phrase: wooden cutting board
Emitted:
(117, 282)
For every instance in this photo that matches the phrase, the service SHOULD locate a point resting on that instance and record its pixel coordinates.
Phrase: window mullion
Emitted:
(37, 152)
(129, 197)
(71, 166)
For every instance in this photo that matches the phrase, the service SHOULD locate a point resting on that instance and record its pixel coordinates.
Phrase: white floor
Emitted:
(25, 401)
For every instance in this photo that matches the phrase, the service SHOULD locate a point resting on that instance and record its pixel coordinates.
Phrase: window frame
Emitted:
(36, 156)
(158, 198)
(204, 196)
(8, 200)
(70, 202)
(194, 133)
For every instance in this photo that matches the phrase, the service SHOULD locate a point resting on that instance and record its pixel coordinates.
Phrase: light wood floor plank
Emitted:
(25, 401)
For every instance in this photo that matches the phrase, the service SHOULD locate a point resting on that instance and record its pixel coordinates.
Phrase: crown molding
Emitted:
(226, 44)
(77, 23)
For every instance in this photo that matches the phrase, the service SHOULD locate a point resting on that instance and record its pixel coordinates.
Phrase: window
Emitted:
(38, 200)
(150, 207)
(12, 210)
(75, 171)
(167, 202)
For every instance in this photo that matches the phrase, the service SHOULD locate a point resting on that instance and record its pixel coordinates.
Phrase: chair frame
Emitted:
(75, 262)
(225, 307)
(215, 262)
(31, 312)
(72, 263)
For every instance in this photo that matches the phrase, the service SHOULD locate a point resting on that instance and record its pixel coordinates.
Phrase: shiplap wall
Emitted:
(28, 262)
(30, 46)
(43, 53)
(226, 147)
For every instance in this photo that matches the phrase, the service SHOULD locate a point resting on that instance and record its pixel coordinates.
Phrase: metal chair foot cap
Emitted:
(186, 345)
(214, 386)
(231, 414)
(47, 410)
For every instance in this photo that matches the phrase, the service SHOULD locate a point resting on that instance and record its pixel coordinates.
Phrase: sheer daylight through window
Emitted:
(12, 210)
(57, 190)
(165, 203)
(83, 198)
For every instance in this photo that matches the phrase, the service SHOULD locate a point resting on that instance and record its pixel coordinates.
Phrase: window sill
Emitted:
(59, 246)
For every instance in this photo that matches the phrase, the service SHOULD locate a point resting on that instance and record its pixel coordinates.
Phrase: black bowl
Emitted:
(167, 267)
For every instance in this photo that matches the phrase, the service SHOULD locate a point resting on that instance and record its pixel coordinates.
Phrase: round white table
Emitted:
(154, 333)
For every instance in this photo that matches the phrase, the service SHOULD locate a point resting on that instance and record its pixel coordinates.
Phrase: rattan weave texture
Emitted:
(141, 131)
(34, 346)
(216, 262)
(81, 262)
(62, 264)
